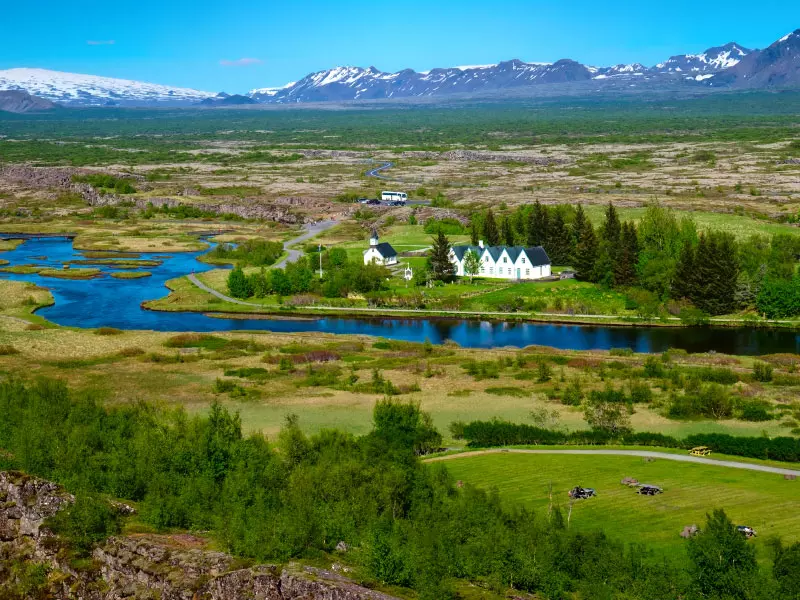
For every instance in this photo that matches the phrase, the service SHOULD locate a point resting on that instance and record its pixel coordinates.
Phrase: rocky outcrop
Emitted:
(167, 567)
(25, 503)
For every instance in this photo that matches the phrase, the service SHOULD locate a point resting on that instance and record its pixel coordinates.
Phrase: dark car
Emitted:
(581, 493)
(373, 201)
(646, 489)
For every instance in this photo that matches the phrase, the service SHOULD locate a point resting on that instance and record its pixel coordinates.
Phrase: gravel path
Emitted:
(640, 453)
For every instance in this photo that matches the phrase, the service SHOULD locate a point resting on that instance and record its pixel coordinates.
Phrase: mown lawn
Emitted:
(764, 501)
(559, 296)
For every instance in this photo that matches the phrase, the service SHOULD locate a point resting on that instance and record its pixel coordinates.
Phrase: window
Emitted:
(491, 270)
(523, 260)
(505, 259)
(483, 269)
(527, 271)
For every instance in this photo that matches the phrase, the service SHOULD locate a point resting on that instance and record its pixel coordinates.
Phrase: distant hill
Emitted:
(776, 66)
(224, 99)
(16, 101)
(730, 66)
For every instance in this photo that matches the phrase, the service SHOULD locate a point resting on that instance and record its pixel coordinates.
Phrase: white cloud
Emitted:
(241, 62)
(100, 42)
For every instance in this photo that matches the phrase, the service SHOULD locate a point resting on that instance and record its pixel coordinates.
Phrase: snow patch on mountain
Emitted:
(74, 88)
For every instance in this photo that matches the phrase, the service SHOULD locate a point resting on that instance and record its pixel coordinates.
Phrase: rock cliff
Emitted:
(164, 567)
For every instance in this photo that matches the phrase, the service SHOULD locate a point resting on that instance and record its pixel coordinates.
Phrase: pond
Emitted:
(109, 302)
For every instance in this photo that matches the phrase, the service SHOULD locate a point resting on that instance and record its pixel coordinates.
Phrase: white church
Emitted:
(380, 253)
(504, 262)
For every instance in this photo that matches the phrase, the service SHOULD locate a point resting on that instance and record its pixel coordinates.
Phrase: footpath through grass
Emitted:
(764, 501)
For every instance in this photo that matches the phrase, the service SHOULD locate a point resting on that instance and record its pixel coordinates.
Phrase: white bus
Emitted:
(400, 197)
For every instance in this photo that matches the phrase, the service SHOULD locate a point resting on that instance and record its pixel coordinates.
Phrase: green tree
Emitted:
(604, 413)
(684, 282)
(472, 264)
(716, 274)
(507, 231)
(439, 259)
(586, 251)
(627, 257)
(538, 225)
(238, 284)
(779, 298)
(474, 229)
(560, 246)
(490, 234)
(786, 569)
(723, 563)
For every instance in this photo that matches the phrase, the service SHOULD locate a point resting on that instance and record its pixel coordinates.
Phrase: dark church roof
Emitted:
(385, 250)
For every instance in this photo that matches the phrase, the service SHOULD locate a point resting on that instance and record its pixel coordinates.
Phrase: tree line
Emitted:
(663, 255)
(340, 277)
(409, 524)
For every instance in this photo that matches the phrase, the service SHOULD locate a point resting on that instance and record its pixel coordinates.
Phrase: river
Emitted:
(109, 302)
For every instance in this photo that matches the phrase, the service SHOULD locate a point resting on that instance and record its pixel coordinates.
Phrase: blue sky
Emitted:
(202, 43)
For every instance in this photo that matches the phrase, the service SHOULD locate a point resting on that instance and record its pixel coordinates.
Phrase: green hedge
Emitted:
(487, 434)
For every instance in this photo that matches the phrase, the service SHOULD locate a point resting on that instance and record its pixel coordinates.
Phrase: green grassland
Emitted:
(763, 501)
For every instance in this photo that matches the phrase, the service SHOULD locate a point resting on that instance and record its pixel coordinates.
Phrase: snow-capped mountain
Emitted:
(712, 60)
(90, 90)
(731, 65)
(775, 66)
(356, 83)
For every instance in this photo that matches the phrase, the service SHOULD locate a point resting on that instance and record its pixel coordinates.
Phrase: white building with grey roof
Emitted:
(504, 262)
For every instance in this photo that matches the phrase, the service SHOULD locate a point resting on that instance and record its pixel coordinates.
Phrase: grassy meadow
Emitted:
(764, 501)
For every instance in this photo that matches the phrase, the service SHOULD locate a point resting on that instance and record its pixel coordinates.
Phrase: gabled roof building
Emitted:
(504, 262)
(379, 252)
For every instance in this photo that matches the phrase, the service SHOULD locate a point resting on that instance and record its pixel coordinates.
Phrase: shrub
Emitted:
(641, 393)
(85, 523)
(762, 371)
(196, 340)
(653, 367)
(755, 410)
(573, 395)
(621, 352)
(508, 391)
(481, 370)
(107, 331)
(7, 350)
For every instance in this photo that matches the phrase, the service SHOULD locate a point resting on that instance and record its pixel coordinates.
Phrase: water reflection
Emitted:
(116, 303)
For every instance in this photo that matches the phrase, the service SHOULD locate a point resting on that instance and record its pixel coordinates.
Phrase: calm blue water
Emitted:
(110, 302)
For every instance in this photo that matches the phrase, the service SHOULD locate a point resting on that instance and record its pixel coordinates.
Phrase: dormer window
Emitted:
(505, 259)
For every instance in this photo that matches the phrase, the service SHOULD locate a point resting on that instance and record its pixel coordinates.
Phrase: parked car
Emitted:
(645, 489)
(581, 493)
(746, 531)
(373, 201)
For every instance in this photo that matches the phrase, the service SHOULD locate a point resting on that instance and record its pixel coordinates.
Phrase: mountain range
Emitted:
(731, 66)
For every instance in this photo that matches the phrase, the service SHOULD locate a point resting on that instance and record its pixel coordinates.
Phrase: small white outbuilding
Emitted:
(380, 253)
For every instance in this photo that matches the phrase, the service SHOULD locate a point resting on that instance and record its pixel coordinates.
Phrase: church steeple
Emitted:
(373, 238)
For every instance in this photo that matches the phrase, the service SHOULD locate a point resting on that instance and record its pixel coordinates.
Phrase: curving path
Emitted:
(311, 230)
(641, 453)
(376, 172)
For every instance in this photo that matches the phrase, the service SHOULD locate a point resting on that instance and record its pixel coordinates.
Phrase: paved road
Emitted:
(293, 255)
(376, 172)
(639, 453)
(310, 231)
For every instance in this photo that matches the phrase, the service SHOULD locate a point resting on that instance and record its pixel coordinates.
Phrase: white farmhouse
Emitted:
(379, 253)
(504, 262)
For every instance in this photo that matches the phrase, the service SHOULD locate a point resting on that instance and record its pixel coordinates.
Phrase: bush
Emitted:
(762, 371)
(7, 350)
(755, 410)
(107, 331)
(88, 521)
(573, 395)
